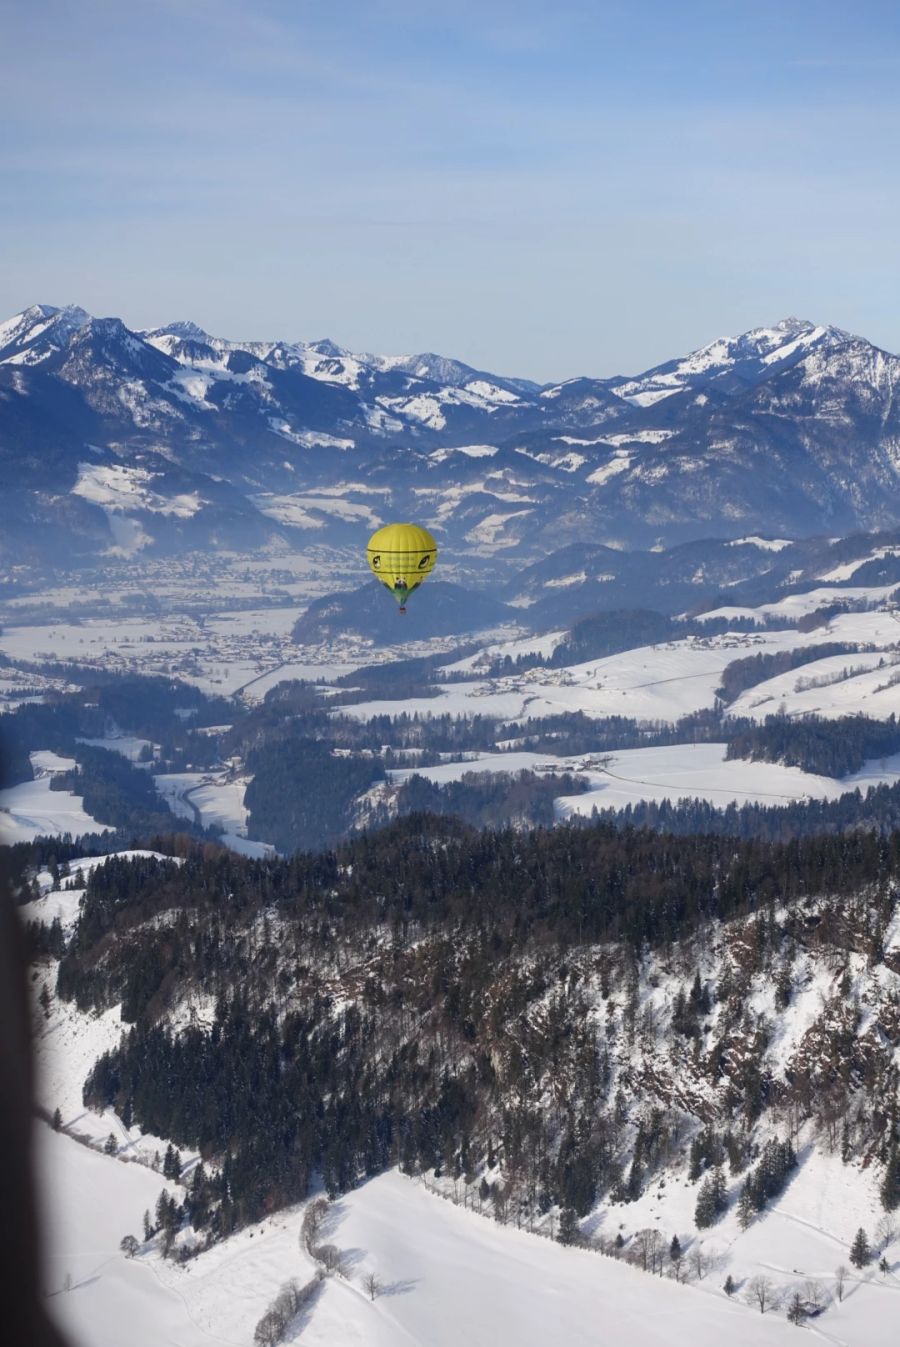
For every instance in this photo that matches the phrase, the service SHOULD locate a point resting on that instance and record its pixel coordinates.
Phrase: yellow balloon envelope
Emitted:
(400, 556)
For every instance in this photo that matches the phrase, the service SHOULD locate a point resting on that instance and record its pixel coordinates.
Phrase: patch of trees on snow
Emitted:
(824, 747)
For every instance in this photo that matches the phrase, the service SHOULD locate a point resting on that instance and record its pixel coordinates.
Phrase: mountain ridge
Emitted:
(792, 428)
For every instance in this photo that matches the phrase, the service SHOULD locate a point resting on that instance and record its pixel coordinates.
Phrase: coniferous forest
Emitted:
(410, 998)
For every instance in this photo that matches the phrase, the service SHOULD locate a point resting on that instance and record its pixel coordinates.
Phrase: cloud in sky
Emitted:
(547, 190)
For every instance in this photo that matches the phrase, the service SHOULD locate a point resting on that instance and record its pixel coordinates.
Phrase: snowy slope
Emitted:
(451, 1276)
(214, 800)
(661, 682)
(65, 902)
(32, 809)
(674, 772)
(454, 1276)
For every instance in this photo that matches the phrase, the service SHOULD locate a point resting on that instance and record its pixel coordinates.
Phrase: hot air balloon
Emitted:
(400, 556)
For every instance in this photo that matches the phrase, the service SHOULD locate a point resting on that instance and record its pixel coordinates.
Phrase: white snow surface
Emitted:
(118, 488)
(661, 682)
(32, 809)
(764, 544)
(677, 678)
(451, 1276)
(674, 772)
(65, 902)
(128, 745)
(214, 800)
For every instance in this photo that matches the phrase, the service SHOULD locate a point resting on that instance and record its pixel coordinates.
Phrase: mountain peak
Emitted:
(182, 328)
(28, 337)
(37, 311)
(325, 346)
(794, 324)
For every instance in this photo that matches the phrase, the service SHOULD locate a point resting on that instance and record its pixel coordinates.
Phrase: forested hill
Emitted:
(556, 1016)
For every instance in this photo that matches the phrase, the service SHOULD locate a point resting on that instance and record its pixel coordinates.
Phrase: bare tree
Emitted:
(886, 1230)
(699, 1260)
(372, 1286)
(759, 1292)
(649, 1246)
(287, 1302)
(331, 1258)
(815, 1293)
(841, 1274)
(129, 1245)
(312, 1221)
(270, 1329)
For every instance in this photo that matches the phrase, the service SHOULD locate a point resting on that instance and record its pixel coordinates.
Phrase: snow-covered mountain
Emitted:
(731, 364)
(116, 441)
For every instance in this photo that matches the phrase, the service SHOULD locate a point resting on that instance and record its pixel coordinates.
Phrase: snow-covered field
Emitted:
(214, 800)
(675, 772)
(32, 809)
(219, 654)
(246, 651)
(663, 682)
(450, 1276)
(128, 745)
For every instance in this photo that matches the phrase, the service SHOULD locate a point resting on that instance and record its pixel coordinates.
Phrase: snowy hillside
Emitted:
(677, 678)
(677, 772)
(450, 1276)
(34, 808)
(780, 996)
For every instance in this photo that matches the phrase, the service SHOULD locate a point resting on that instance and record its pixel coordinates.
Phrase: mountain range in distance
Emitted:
(117, 443)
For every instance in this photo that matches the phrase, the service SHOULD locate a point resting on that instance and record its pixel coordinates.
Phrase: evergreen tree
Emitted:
(796, 1310)
(712, 1200)
(860, 1251)
(569, 1229)
(746, 1208)
(57, 1119)
(109, 1145)
(890, 1186)
(729, 1287)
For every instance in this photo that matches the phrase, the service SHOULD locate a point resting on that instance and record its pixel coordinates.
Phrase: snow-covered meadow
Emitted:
(668, 681)
(450, 1276)
(213, 800)
(675, 772)
(33, 808)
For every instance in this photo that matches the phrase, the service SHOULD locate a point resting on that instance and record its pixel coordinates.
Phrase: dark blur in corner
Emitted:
(23, 1319)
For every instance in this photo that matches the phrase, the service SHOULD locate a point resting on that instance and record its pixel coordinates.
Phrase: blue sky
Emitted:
(546, 189)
